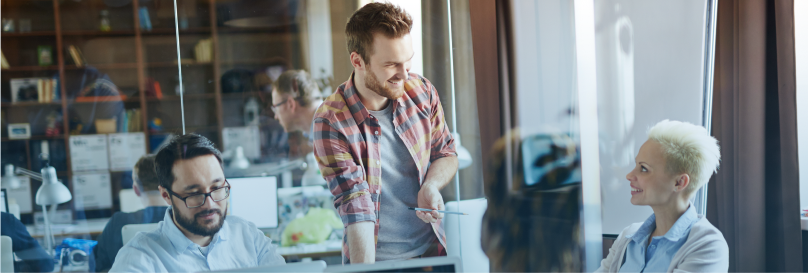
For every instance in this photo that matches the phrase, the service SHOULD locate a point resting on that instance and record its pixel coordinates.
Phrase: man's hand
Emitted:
(429, 198)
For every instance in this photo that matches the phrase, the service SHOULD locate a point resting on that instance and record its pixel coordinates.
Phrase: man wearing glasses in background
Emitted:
(194, 235)
(295, 98)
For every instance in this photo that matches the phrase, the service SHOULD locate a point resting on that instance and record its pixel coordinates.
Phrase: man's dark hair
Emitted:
(181, 148)
(385, 18)
(299, 84)
(144, 174)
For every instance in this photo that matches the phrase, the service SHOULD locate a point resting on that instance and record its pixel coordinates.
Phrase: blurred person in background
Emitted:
(533, 226)
(295, 98)
(32, 256)
(145, 186)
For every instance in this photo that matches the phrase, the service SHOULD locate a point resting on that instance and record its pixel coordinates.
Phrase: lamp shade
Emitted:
(9, 179)
(52, 192)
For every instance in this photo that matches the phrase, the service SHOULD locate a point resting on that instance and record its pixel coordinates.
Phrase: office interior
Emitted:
(90, 86)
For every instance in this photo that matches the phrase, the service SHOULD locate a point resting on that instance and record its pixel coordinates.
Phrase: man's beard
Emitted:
(193, 226)
(373, 83)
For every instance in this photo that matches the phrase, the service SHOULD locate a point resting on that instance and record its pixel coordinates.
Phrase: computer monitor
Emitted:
(432, 264)
(255, 199)
(4, 203)
(313, 266)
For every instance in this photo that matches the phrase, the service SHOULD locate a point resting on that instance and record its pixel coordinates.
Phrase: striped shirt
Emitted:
(346, 144)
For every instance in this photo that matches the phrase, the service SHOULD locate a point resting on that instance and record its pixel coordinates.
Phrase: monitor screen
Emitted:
(430, 264)
(4, 202)
(435, 268)
(255, 199)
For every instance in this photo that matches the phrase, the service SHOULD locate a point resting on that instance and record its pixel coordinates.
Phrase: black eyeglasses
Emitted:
(198, 200)
(274, 107)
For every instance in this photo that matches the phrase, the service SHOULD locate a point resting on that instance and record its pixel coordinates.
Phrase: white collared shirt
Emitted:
(238, 244)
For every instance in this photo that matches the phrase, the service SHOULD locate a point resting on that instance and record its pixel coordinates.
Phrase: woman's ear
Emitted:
(682, 182)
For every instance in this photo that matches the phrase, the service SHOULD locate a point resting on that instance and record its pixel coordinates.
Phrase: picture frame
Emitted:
(19, 131)
(24, 89)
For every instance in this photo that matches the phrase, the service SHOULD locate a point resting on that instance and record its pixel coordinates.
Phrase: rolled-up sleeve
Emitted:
(346, 178)
(442, 144)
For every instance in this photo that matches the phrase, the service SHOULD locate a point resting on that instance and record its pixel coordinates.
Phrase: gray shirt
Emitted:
(402, 235)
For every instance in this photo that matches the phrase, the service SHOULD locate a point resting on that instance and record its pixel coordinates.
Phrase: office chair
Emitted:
(471, 225)
(6, 255)
(129, 231)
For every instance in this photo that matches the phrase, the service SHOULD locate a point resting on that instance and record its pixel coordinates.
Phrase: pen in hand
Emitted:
(441, 211)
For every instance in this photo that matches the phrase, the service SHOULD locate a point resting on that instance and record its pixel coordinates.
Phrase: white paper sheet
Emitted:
(89, 153)
(21, 195)
(92, 191)
(125, 149)
(246, 137)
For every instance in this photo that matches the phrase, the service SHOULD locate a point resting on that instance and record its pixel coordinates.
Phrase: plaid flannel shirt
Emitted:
(346, 144)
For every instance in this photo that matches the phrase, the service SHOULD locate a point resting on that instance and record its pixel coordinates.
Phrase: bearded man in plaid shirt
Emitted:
(382, 143)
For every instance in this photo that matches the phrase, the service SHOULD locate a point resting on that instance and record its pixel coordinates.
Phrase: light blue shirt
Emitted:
(656, 256)
(238, 244)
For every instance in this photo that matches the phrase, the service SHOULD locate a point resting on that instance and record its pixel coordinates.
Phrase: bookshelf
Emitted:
(133, 58)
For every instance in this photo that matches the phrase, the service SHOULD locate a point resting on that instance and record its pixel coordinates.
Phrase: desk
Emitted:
(92, 227)
(326, 249)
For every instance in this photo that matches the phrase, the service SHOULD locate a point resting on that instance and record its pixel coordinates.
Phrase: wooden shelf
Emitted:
(28, 34)
(30, 103)
(174, 64)
(240, 95)
(135, 69)
(255, 61)
(36, 138)
(172, 31)
(188, 129)
(253, 30)
(177, 98)
(32, 68)
(129, 100)
(99, 33)
(103, 66)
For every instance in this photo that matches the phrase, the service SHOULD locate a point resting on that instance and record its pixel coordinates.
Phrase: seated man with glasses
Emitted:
(194, 235)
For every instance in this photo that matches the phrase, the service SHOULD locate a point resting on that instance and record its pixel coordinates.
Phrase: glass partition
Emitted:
(653, 63)
(91, 86)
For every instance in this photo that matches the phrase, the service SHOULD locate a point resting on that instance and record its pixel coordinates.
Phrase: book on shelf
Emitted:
(145, 21)
(153, 89)
(42, 90)
(132, 121)
(76, 55)
(3, 61)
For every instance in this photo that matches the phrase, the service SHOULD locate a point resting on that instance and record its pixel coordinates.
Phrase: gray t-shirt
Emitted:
(402, 235)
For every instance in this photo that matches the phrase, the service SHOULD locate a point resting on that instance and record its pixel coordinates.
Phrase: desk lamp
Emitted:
(52, 192)
(9, 179)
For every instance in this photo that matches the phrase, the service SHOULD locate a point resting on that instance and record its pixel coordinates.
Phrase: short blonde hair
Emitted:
(687, 149)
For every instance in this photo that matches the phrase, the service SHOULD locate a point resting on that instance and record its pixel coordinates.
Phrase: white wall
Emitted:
(544, 66)
(320, 58)
(801, 51)
(414, 9)
(650, 68)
